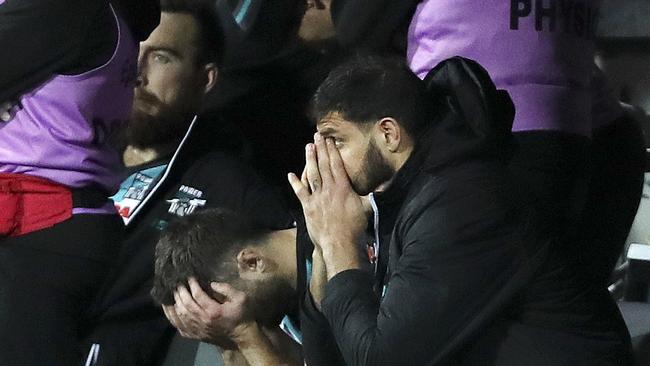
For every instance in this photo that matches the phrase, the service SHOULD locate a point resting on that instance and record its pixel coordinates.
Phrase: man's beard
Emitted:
(374, 172)
(269, 299)
(154, 123)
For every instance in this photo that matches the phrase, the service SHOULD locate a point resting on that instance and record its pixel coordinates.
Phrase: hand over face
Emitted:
(335, 214)
(198, 316)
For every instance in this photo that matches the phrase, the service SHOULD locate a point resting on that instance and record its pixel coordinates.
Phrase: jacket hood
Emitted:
(473, 117)
(472, 120)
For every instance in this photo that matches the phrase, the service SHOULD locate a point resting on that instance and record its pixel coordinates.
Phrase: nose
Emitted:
(141, 78)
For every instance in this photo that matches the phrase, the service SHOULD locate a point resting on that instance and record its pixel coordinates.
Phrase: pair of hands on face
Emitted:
(336, 216)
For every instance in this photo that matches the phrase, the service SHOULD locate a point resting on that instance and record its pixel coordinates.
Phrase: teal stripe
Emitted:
(242, 11)
(291, 329)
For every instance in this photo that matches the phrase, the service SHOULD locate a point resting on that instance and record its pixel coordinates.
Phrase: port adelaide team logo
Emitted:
(186, 202)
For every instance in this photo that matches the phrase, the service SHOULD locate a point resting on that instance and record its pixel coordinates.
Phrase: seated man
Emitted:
(177, 166)
(467, 279)
(220, 245)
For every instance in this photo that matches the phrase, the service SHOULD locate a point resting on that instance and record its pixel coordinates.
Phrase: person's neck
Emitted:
(283, 249)
(401, 157)
(134, 156)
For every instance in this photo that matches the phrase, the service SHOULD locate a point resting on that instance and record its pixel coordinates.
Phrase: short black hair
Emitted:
(367, 88)
(212, 35)
(201, 245)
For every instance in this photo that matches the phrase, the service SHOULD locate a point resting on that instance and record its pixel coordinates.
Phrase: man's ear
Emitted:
(250, 261)
(390, 134)
(210, 72)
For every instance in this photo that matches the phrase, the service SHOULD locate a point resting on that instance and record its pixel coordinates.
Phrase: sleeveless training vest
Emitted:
(541, 52)
(63, 130)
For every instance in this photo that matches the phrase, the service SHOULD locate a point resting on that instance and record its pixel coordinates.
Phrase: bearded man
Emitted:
(177, 167)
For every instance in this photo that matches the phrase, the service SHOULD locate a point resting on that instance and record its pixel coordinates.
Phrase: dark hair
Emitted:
(367, 88)
(202, 246)
(212, 36)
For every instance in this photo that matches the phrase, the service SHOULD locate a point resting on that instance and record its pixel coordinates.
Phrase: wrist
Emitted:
(247, 333)
(340, 258)
(335, 247)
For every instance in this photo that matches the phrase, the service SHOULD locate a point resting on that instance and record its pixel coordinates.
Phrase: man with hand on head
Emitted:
(262, 274)
(177, 167)
(257, 276)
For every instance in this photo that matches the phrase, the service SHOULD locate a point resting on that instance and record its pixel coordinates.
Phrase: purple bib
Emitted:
(63, 130)
(540, 51)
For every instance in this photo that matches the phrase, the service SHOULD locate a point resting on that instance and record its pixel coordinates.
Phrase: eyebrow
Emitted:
(171, 51)
(327, 132)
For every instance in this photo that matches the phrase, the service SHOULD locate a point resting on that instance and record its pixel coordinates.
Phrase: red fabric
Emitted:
(29, 204)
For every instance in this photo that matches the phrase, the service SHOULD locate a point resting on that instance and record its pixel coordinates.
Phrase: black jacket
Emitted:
(130, 328)
(318, 343)
(470, 279)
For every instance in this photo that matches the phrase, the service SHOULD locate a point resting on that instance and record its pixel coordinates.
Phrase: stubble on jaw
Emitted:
(374, 173)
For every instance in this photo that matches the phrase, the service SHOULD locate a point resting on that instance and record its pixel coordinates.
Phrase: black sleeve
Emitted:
(318, 343)
(453, 261)
(39, 38)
